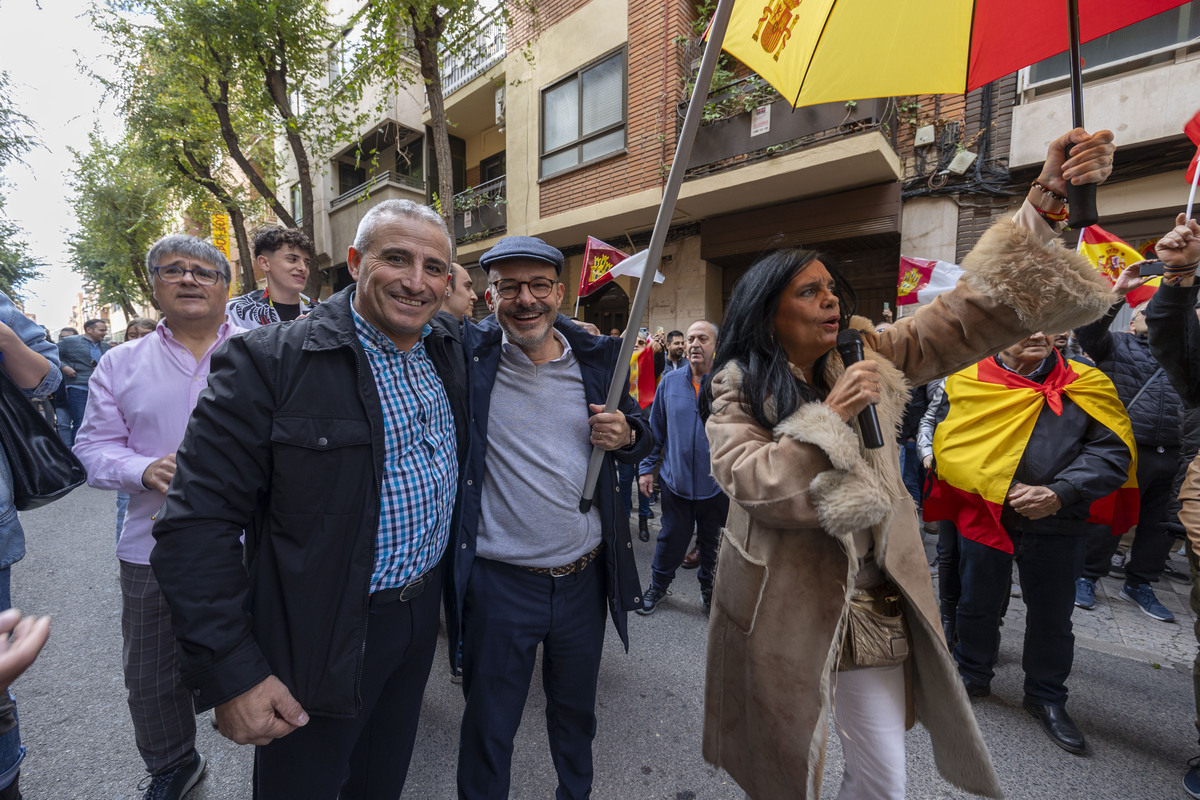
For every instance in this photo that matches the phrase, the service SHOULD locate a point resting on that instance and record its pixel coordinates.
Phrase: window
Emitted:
(1156, 35)
(342, 55)
(583, 116)
(297, 205)
(350, 177)
(410, 163)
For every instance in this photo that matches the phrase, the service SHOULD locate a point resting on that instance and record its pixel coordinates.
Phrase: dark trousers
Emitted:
(164, 721)
(627, 487)
(1048, 565)
(1153, 538)
(949, 584)
(507, 613)
(680, 517)
(363, 757)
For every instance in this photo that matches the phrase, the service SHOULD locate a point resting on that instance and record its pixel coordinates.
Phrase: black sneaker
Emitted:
(651, 599)
(174, 784)
(706, 598)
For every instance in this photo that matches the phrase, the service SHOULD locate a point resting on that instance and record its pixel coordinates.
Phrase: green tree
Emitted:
(434, 30)
(17, 263)
(123, 204)
(257, 65)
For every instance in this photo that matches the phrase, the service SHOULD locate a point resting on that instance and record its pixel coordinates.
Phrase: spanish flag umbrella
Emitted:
(819, 51)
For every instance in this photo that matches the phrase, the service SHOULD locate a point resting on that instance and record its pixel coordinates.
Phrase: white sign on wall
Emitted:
(760, 120)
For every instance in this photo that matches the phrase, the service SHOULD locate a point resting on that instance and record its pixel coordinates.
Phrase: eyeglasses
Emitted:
(540, 288)
(201, 275)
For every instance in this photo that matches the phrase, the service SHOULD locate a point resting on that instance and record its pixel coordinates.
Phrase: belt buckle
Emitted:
(562, 572)
(411, 590)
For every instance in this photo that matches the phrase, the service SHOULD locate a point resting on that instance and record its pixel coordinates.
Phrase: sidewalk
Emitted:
(1118, 627)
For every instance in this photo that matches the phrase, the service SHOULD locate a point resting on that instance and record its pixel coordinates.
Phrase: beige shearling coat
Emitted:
(800, 492)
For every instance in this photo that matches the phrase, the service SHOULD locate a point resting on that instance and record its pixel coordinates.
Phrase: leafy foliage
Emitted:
(123, 203)
(17, 263)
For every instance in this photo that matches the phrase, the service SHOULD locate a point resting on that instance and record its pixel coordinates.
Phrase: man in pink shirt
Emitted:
(140, 398)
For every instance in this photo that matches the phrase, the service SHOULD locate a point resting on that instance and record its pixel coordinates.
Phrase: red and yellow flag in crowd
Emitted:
(598, 260)
(1192, 129)
(641, 376)
(979, 445)
(1109, 256)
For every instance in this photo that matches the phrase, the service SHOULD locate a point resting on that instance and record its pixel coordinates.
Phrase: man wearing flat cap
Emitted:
(530, 567)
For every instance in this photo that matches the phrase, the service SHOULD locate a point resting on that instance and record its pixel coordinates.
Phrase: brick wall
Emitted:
(654, 91)
(526, 25)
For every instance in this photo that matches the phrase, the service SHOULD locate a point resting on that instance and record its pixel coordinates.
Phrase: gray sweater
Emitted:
(537, 455)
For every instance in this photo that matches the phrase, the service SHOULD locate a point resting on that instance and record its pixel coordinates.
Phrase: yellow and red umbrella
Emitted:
(821, 51)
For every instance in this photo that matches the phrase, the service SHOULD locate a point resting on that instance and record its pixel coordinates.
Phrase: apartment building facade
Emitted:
(563, 126)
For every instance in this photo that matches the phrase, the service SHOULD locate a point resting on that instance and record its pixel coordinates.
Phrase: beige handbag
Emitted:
(876, 634)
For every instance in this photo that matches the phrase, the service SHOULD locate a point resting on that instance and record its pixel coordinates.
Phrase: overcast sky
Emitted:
(41, 53)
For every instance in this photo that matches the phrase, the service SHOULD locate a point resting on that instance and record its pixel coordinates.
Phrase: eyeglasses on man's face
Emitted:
(204, 276)
(509, 289)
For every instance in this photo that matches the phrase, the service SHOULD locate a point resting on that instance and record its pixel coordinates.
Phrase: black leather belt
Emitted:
(409, 591)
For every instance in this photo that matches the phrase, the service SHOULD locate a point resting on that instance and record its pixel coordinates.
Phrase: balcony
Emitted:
(479, 49)
(481, 211)
(349, 207)
(735, 139)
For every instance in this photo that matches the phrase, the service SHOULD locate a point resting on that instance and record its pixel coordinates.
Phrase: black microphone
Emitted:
(850, 348)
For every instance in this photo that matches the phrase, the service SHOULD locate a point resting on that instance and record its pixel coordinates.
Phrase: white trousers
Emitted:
(869, 714)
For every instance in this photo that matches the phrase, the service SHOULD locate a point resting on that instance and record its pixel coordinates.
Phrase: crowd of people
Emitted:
(311, 486)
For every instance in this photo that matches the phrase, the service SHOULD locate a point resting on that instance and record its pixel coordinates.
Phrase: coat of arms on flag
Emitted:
(1109, 255)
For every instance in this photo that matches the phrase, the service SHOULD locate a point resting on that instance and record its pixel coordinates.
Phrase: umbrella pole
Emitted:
(666, 210)
(1081, 200)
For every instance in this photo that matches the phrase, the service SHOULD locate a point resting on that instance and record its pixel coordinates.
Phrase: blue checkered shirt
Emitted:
(420, 459)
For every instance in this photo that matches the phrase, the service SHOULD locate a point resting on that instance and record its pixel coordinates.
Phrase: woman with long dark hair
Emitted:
(823, 598)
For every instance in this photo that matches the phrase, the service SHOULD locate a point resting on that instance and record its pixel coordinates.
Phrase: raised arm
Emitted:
(1019, 279)
(1171, 316)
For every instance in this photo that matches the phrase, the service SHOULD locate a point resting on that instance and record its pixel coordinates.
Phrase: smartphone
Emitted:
(659, 331)
(887, 306)
(1150, 268)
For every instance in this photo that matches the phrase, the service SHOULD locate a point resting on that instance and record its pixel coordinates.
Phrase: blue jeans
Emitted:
(62, 418)
(11, 751)
(627, 487)
(77, 397)
(122, 507)
(910, 470)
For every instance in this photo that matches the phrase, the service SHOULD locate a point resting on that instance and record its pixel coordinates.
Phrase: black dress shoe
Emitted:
(977, 689)
(643, 529)
(1058, 726)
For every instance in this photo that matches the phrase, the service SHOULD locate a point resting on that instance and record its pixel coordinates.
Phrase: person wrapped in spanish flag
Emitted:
(1031, 453)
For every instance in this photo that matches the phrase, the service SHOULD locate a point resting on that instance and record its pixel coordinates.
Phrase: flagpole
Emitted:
(666, 210)
(1192, 194)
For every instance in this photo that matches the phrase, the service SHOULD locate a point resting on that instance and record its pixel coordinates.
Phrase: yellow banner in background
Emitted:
(220, 233)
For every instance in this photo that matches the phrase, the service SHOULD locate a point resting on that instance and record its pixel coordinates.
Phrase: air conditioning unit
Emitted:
(500, 105)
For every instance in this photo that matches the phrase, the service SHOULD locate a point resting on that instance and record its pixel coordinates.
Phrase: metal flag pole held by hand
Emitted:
(1081, 200)
(641, 298)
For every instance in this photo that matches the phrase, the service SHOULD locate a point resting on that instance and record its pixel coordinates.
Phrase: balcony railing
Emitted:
(740, 138)
(481, 211)
(482, 48)
(386, 176)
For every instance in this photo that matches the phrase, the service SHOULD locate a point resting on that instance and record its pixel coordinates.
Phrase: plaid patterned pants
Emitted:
(164, 722)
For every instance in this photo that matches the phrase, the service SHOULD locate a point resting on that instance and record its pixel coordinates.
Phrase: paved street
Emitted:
(1131, 694)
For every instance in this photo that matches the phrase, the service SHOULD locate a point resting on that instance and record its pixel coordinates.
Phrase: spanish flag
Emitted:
(979, 445)
(641, 376)
(1109, 256)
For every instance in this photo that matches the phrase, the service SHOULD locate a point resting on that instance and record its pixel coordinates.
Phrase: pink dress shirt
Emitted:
(141, 396)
